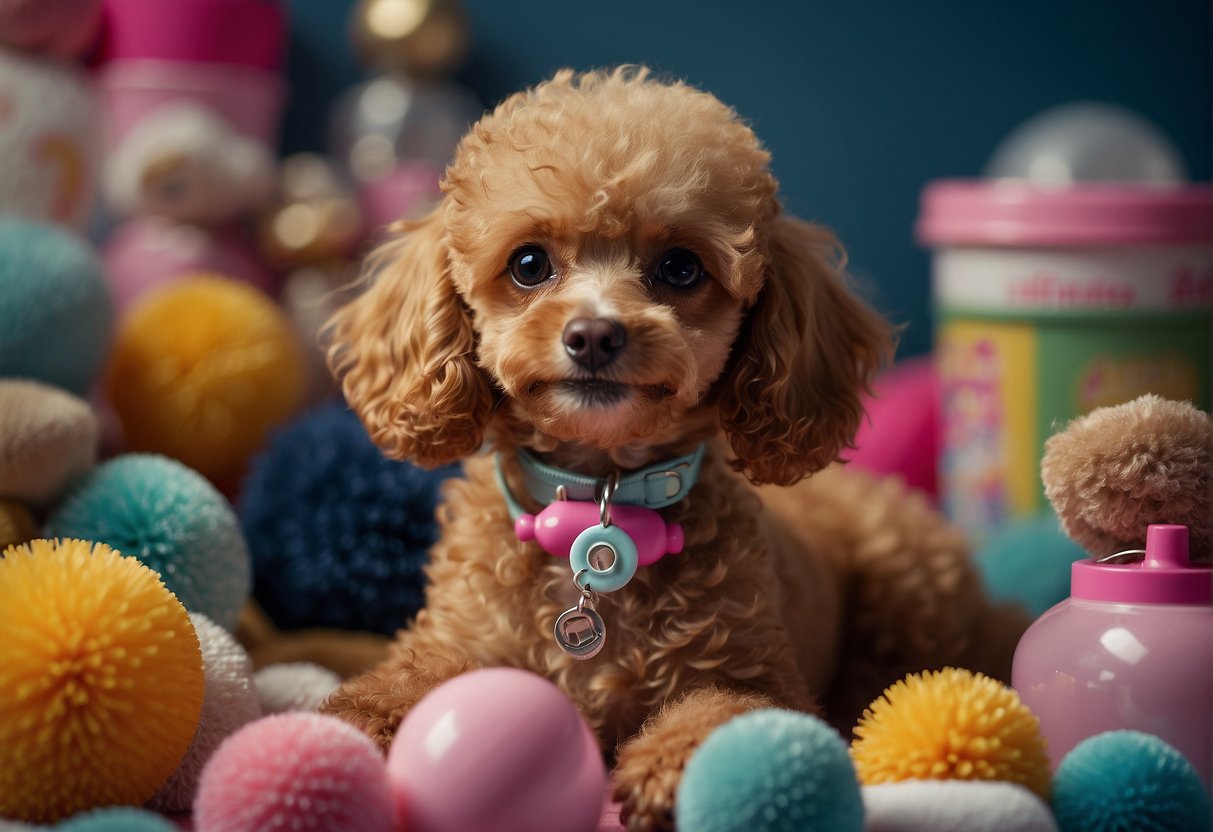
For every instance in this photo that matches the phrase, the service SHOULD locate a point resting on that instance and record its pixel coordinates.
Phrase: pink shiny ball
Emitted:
(499, 749)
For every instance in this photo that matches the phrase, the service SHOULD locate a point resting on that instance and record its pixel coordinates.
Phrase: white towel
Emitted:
(954, 806)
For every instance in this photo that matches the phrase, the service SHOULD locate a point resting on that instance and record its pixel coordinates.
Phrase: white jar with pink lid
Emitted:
(1052, 301)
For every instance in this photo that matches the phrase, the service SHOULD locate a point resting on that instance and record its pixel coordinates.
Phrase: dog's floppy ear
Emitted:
(404, 351)
(807, 353)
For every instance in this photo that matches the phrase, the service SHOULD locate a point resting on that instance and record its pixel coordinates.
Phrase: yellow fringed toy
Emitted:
(950, 724)
(202, 369)
(102, 680)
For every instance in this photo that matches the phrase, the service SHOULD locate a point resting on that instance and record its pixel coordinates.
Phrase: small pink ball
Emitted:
(295, 771)
(498, 749)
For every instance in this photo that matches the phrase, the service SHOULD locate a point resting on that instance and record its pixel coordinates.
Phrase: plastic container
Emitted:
(249, 99)
(225, 55)
(1051, 302)
(1132, 647)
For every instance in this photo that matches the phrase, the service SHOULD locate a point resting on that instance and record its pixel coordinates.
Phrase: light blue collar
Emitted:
(656, 486)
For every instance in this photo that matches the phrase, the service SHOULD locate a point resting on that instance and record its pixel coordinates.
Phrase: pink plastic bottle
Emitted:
(1132, 647)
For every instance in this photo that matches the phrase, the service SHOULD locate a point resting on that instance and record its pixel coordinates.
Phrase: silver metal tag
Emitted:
(580, 632)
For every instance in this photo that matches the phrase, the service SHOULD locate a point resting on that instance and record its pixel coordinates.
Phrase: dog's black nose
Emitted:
(594, 342)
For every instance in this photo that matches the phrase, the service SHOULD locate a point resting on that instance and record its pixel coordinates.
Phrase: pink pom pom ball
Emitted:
(498, 749)
(295, 771)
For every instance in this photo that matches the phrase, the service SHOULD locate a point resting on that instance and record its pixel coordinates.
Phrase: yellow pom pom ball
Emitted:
(101, 678)
(202, 369)
(950, 724)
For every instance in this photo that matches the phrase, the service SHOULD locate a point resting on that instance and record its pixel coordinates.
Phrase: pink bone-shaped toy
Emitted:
(557, 526)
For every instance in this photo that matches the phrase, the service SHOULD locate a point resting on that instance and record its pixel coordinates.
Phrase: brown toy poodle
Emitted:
(609, 283)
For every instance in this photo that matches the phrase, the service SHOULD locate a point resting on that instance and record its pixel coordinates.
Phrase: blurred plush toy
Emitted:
(64, 28)
(56, 318)
(192, 97)
(56, 322)
(48, 114)
(229, 702)
(396, 132)
(48, 438)
(345, 653)
(1113, 472)
(1109, 475)
(202, 370)
(310, 233)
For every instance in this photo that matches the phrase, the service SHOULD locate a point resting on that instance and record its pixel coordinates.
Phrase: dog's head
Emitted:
(610, 267)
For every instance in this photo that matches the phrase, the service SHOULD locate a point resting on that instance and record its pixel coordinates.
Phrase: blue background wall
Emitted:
(860, 102)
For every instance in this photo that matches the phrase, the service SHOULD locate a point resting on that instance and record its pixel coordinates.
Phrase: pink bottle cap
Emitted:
(1164, 576)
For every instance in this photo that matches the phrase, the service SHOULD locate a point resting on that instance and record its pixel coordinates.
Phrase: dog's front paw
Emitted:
(651, 763)
(646, 780)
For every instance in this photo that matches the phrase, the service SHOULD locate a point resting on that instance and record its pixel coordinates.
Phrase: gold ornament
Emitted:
(420, 37)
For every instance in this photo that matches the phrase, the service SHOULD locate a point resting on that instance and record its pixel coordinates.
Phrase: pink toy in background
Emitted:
(223, 55)
(192, 95)
(498, 749)
(48, 111)
(900, 434)
(63, 28)
(147, 251)
(1131, 648)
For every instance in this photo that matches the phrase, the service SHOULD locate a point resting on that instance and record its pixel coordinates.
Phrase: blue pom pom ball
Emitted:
(1127, 781)
(1028, 562)
(173, 520)
(338, 533)
(770, 771)
(117, 819)
(56, 307)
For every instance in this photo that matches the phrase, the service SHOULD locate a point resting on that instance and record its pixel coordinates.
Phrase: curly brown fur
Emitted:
(837, 590)
(432, 407)
(1113, 472)
(790, 404)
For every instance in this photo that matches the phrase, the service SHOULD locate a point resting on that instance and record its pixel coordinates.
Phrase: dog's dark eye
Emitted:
(679, 268)
(530, 266)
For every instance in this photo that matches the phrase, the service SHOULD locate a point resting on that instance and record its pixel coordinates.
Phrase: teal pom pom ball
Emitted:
(1127, 781)
(170, 518)
(56, 307)
(770, 771)
(117, 819)
(1028, 562)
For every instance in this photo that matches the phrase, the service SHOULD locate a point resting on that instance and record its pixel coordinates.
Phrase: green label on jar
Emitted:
(1009, 382)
